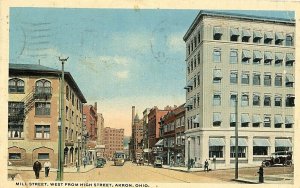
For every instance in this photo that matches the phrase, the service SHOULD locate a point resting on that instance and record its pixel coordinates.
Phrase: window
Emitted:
(43, 87)
(289, 80)
(217, 56)
(256, 100)
(189, 49)
(233, 77)
(256, 120)
(241, 152)
(43, 156)
(289, 60)
(16, 85)
(42, 131)
(246, 56)
(268, 38)
(15, 111)
(245, 120)
(257, 36)
(67, 110)
(198, 58)
(67, 92)
(233, 99)
(188, 68)
(73, 99)
(278, 121)
(289, 40)
(42, 108)
(216, 151)
(278, 59)
(245, 78)
(233, 56)
(217, 99)
(289, 102)
(217, 76)
(198, 37)
(246, 36)
(268, 58)
(192, 65)
(278, 80)
(198, 79)
(267, 100)
(198, 99)
(195, 82)
(267, 80)
(289, 121)
(245, 100)
(267, 120)
(257, 57)
(277, 100)
(217, 119)
(279, 38)
(195, 62)
(15, 131)
(256, 79)
(232, 120)
(217, 33)
(260, 150)
(14, 156)
(234, 34)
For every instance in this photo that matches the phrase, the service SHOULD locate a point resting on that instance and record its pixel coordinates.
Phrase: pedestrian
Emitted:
(84, 162)
(206, 165)
(47, 166)
(192, 163)
(77, 165)
(37, 166)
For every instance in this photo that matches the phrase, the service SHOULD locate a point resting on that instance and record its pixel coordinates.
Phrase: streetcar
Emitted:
(119, 158)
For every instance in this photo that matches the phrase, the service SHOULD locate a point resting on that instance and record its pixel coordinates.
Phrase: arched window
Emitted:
(67, 92)
(43, 87)
(16, 85)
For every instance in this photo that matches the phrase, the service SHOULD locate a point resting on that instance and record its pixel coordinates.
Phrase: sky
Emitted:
(119, 58)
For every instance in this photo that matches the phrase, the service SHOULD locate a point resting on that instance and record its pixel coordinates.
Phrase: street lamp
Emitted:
(189, 161)
(58, 177)
(236, 139)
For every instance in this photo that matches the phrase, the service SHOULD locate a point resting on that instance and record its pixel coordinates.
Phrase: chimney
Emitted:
(133, 114)
(95, 106)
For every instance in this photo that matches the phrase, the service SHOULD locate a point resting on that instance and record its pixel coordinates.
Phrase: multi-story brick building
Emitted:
(113, 141)
(146, 148)
(90, 120)
(249, 59)
(34, 112)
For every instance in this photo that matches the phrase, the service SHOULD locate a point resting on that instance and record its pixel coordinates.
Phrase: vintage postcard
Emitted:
(149, 94)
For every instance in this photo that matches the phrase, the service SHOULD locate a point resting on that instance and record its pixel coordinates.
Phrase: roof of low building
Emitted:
(36, 69)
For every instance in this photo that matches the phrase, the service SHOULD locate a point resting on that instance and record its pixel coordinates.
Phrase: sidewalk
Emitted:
(71, 169)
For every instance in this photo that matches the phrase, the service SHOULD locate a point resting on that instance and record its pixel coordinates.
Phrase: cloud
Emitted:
(175, 42)
(122, 74)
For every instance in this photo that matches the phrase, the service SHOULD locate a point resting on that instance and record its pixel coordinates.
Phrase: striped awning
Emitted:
(257, 34)
(217, 30)
(246, 33)
(268, 35)
(279, 36)
(278, 119)
(246, 54)
(217, 117)
(234, 31)
(216, 142)
(257, 55)
(241, 142)
(268, 56)
(289, 119)
(245, 118)
(256, 118)
(289, 78)
(278, 56)
(290, 57)
(283, 142)
(261, 142)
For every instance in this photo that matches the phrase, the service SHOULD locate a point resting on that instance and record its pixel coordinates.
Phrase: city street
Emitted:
(130, 172)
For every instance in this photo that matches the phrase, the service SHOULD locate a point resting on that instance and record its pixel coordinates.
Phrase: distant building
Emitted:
(146, 148)
(113, 141)
(245, 59)
(90, 120)
(100, 125)
(34, 112)
(137, 138)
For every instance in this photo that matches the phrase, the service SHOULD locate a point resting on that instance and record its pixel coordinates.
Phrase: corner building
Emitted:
(248, 59)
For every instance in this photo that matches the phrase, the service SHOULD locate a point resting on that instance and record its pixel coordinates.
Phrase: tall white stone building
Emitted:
(232, 56)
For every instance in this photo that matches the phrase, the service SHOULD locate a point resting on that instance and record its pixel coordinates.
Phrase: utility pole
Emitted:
(236, 139)
(61, 124)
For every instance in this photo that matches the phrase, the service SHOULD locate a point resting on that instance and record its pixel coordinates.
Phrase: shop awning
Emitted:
(279, 36)
(289, 78)
(268, 35)
(261, 142)
(257, 55)
(278, 119)
(256, 119)
(246, 33)
(245, 118)
(216, 142)
(241, 142)
(196, 119)
(257, 34)
(232, 118)
(278, 56)
(283, 142)
(217, 30)
(217, 117)
(246, 54)
(289, 119)
(160, 142)
(268, 56)
(189, 84)
(234, 32)
(217, 74)
(290, 57)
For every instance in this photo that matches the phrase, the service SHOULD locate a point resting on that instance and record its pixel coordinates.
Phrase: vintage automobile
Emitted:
(280, 157)
(158, 161)
(100, 162)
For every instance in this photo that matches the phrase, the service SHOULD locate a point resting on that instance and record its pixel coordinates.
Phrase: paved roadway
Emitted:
(130, 172)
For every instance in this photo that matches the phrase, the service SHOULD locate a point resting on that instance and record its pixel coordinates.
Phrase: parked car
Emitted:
(280, 157)
(158, 161)
(100, 162)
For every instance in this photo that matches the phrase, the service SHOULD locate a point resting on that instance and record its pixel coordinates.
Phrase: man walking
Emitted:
(47, 166)
(206, 165)
(37, 166)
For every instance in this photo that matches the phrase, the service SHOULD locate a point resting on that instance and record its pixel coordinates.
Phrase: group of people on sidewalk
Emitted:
(37, 167)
